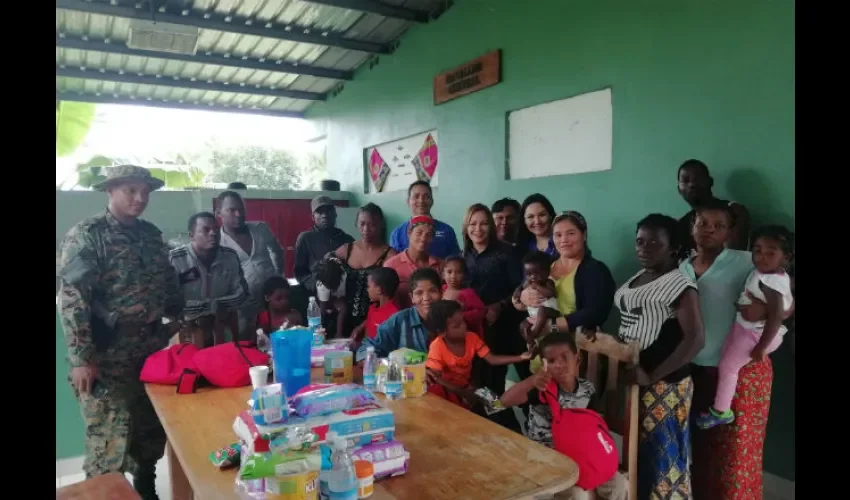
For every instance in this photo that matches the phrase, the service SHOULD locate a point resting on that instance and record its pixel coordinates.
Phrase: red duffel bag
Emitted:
(226, 365)
(166, 366)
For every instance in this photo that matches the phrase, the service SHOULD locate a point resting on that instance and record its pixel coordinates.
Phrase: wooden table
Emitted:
(454, 454)
(105, 487)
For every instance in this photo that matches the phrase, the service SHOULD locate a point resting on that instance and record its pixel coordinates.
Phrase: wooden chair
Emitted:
(617, 354)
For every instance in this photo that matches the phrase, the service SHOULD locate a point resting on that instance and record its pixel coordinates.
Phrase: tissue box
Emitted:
(361, 426)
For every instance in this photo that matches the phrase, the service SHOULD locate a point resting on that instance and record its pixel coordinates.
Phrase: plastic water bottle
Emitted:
(370, 370)
(264, 344)
(314, 321)
(395, 376)
(324, 493)
(342, 478)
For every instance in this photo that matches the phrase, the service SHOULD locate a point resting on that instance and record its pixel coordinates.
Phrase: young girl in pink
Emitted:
(454, 274)
(753, 340)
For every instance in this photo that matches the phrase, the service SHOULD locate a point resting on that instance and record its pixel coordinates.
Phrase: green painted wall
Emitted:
(710, 80)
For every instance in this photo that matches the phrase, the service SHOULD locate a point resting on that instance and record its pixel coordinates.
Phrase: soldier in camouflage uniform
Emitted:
(116, 286)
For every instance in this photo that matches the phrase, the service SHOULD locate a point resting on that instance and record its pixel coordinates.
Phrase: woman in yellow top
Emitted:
(583, 285)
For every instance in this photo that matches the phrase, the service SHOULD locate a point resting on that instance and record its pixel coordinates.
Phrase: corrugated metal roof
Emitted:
(232, 64)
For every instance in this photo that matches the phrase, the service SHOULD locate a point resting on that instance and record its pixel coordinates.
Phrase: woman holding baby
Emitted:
(584, 286)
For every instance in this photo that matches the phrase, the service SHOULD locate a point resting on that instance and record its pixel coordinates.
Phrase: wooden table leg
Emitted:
(180, 487)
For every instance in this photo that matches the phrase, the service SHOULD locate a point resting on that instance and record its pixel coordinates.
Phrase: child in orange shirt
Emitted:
(454, 274)
(449, 364)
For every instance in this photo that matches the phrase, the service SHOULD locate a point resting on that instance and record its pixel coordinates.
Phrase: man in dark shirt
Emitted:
(312, 246)
(506, 216)
(695, 185)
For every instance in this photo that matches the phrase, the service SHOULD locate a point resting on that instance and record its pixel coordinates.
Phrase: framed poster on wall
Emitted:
(393, 165)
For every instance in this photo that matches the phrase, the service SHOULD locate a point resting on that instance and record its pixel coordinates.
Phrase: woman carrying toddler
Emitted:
(754, 340)
(583, 285)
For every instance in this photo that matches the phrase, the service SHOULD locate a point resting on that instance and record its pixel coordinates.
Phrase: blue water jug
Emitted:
(291, 357)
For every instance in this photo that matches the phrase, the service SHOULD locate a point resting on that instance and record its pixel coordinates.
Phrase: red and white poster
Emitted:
(392, 166)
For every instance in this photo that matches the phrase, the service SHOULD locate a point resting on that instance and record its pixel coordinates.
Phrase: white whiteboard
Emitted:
(394, 165)
(563, 137)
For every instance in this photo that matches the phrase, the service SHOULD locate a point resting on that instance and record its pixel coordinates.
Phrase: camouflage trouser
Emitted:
(123, 433)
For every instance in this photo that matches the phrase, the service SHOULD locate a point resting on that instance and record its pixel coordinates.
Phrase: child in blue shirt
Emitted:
(406, 328)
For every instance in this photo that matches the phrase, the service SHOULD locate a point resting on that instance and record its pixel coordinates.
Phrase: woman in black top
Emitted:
(494, 273)
(659, 310)
(360, 257)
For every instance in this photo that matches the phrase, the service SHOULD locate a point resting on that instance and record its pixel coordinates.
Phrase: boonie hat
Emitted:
(128, 173)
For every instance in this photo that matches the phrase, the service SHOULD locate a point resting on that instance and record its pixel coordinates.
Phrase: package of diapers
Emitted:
(360, 427)
(389, 459)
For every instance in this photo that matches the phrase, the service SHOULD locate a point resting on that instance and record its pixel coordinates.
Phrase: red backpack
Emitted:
(583, 436)
(169, 365)
(223, 365)
(226, 365)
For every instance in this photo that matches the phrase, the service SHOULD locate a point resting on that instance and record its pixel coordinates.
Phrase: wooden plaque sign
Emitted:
(469, 77)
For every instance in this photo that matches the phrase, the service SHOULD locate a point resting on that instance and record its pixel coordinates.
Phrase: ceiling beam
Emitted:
(164, 81)
(156, 103)
(278, 66)
(228, 24)
(380, 8)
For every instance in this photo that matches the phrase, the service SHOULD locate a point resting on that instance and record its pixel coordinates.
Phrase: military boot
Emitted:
(144, 482)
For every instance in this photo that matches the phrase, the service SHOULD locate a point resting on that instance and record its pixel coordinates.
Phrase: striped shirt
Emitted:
(644, 309)
(221, 288)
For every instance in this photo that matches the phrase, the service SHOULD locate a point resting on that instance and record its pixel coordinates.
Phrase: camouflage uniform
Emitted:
(109, 267)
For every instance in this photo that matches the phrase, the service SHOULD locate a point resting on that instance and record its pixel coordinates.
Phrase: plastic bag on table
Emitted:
(249, 489)
(491, 402)
(266, 465)
(279, 476)
(298, 438)
(326, 400)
